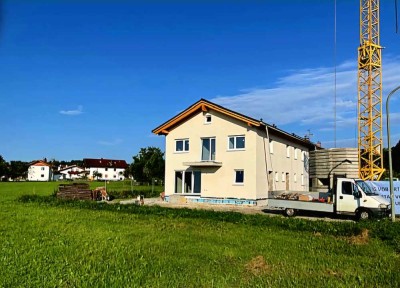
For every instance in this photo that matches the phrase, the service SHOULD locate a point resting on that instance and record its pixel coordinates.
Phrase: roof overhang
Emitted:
(203, 106)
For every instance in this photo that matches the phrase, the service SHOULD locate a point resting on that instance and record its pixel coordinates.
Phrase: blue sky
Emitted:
(83, 79)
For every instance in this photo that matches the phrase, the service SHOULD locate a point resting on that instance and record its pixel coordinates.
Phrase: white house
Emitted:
(109, 169)
(72, 172)
(40, 171)
(217, 155)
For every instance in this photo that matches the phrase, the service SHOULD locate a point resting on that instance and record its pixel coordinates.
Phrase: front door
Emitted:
(187, 182)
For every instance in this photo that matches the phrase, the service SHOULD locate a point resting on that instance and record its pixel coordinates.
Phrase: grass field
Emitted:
(49, 243)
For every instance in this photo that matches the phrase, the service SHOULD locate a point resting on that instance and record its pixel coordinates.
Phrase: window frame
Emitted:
(212, 157)
(193, 177)
(206, 117)
(235, 174)
(235, 142)
(184, 142)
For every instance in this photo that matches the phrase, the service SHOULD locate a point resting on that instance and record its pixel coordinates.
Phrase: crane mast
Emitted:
(369, 114)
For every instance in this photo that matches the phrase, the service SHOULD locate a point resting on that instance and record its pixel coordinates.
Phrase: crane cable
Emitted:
(334, 60)
(395, 15)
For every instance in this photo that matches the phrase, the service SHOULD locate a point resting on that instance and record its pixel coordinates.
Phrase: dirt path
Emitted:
(233, 208)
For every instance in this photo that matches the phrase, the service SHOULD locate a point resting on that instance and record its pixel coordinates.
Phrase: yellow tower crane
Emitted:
(370, 141)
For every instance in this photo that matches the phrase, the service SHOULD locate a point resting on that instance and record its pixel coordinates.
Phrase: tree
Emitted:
(395, 160)
(18, 169)
(4, 171)
(148, 164)
(97, 174)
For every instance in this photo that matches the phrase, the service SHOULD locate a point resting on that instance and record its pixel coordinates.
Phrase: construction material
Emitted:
(75, 191)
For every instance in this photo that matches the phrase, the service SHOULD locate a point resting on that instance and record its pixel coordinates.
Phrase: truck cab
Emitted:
(354, 196)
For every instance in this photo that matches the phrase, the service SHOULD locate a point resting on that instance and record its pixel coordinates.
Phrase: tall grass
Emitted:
(51, 243)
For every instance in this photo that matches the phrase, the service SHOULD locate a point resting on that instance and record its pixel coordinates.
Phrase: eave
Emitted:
(203, 106)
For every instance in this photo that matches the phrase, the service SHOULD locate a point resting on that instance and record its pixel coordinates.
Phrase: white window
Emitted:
(187, 181)
(302, 155)
(208, 149)
(271, 146)
(207, 119)
(295, 153)
(287, 151)
(283, 176)
(182, 145)
(236, 142)
(276, 176)
(239, 176)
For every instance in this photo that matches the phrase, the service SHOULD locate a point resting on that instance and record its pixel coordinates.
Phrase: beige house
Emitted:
(217, 155)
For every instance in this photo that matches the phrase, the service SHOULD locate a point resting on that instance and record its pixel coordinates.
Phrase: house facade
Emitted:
(72, 172)
(107, 169)
(40, 171)
(215, 153)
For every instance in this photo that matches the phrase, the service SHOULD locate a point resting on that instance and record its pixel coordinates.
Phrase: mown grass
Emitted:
(51, 243)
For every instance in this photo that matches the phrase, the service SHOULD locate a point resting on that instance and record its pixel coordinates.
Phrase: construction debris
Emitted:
(78, 191)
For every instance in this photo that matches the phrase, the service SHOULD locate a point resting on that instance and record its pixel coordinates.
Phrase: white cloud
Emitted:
(72, 112)
(110, 143)
(305, 99)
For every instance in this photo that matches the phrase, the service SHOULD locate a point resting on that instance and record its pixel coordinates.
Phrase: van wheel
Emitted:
(363, 215)
(290, 212)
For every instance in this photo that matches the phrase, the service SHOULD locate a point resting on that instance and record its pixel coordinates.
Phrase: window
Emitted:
(207, 119)
(42, 168)
(271, 146)
(106, 169)
(182, 145)
(347, 188)
(302, 155)
(239, 176)
(42, 175)
(115, 169)
(236, 142)
(208, 149)
(276, 176)
(295, 177)
(187, 181)
(287, 151)
(295, 153)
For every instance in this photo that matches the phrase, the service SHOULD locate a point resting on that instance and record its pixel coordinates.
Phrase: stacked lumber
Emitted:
(78, 191)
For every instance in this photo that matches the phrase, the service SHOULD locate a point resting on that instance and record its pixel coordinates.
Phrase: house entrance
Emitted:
(187, 182)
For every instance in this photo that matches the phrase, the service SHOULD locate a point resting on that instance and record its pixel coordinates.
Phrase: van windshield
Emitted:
(365, 187)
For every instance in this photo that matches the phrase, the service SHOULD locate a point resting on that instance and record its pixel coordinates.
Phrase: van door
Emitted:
(347, 201)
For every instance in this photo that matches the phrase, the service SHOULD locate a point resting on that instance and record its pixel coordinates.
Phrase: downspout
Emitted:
(266, 159)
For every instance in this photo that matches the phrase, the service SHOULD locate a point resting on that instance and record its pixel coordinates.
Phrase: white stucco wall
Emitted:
(109, 174)
(254, 160)
(39, 173)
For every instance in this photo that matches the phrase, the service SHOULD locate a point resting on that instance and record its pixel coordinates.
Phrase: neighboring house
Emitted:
(213, 154)
(72, 172)
(109, 169)
(40, 171)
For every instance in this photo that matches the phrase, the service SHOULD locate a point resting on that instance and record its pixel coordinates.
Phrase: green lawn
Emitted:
(47, 243)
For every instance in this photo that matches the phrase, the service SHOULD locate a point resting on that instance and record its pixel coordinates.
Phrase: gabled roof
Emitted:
(39, 163)
(205, 105)
(104, 163)
(70, 167)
